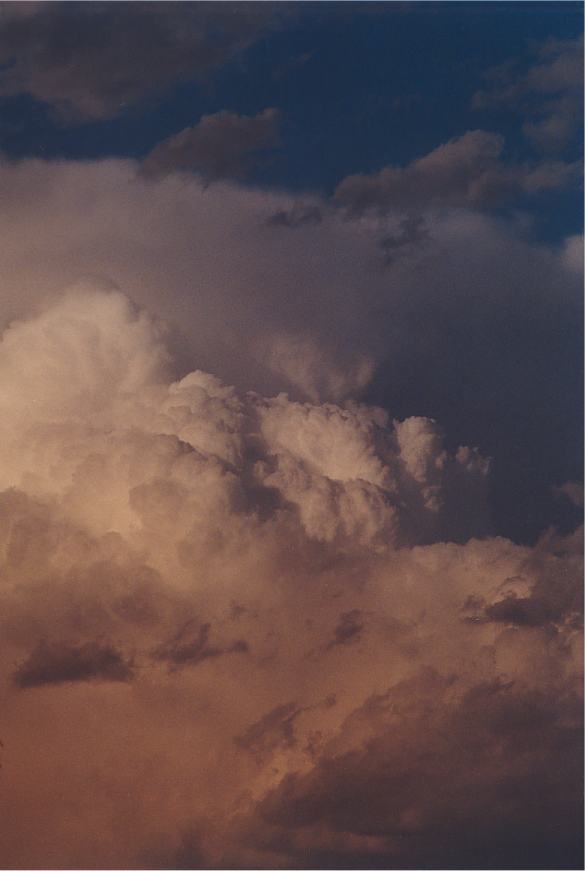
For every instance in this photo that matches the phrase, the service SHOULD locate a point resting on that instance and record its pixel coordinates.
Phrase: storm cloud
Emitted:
(302, 645)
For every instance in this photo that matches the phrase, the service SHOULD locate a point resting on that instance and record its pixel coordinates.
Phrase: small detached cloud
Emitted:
(571, 490)
(468, 171)
(191, 646)
(299, 215)
(549, 94)
(223, 145)
(272, 732)
(58, 663)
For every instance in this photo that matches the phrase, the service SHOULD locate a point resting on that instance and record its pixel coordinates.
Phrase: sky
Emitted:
(291, 434)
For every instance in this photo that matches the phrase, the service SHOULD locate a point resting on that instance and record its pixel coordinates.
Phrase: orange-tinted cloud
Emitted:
(242, 631)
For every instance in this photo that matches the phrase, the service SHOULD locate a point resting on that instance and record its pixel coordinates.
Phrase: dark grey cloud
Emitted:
(57, 663)
(299, 215)
(445, 775)
(412, 232)
(554, 600)
(91, 60)
(468, 171)
(274, 731)
(549, 93)
(223, 145)
(521, 611)
(191, 646)
(348, 629)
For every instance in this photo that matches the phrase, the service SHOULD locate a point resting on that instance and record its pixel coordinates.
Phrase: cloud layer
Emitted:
(243, 631)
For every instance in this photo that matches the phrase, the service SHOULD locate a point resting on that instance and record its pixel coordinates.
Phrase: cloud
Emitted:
(55, 663)
(348, 629)
(298, 216)
(91, 62)
(190, 646)
(412, 232)
(331, 661)
(310, 308)
(454, 327)
(467, 171)
(275, 730)
(549, 93)
(572, 491)
(223, 145)
(386, 801)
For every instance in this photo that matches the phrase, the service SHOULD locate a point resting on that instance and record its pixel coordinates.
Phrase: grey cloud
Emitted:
(91, 60)
(223, 145)
(191, 646)
(468, 315)
(549, 93)
(57, 663)
(274, 731)
(572, 491)
(552, 601)
(468, 171)
(348, 629)
(521, 611)
(435, 762)
(554, 125)
(412, 232)
(127, 507)
(298, 216)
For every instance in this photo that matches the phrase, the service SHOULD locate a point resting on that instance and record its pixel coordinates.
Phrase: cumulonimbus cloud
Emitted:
(244, 631)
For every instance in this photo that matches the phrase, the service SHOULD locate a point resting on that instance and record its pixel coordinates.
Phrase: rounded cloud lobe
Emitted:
(243, 631)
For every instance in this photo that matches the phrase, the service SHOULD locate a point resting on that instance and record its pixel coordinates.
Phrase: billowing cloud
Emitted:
(312, 308)
(468, 171)
(549, 93)
(92, 61)
(452, 323)
(332, 662)
(223, 145)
